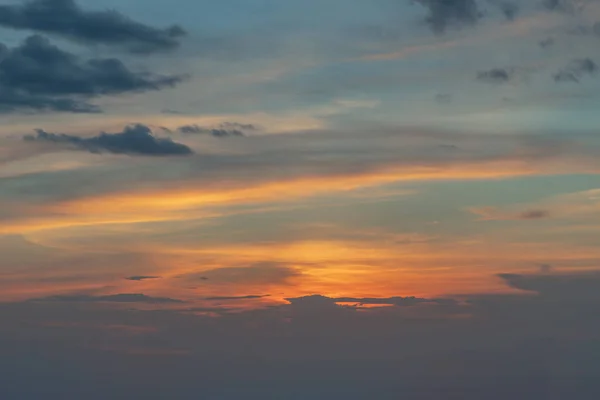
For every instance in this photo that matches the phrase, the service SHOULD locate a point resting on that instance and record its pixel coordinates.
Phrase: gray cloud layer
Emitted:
(543, 345)
(65, 18)
(135, 139)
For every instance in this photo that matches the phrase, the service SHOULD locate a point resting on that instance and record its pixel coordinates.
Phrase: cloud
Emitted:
(114, 298)
(392, 301)
(576, 70)
(565, 6)
(141, 277)
(36, 75)
(444, 14)
(545, 43)
(260, 273)
(534, 214)
(233, 298)
(496, 75)
(545, 268)
(444, 98)
(492, 346)
(280, 169)
(576, 206)
(66, 19)
(571, 286)
(495, 214)
(237, 125)
(171, 111)
(134, 139)
(216, 132)
(510, 10)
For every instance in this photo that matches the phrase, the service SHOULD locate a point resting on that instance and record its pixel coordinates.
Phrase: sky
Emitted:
(333, 199)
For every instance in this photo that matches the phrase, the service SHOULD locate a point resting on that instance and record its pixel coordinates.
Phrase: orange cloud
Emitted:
(181, 201)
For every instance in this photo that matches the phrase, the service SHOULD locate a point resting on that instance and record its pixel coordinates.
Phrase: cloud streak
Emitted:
(389, 301)
(216, 132)
(141, 277)
(281, 169)
(235, 298)
(259, 273)
(495, 214)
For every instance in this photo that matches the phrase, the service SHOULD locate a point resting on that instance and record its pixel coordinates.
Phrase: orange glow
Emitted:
(331, 268)
(375, 264)
(183, 203)
(372, 268)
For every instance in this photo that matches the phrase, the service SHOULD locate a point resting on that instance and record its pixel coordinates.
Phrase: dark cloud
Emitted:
(221, 131)
(444, 98)
(546, 42)
(141, 277)
(576, 70)
(451, 147)
(566, 6)
(579, 30)
(237, 125)
(170, 111)
(15, 101)
(114, 298)
(545, 268)
(534, 214)
(444, 14)
(392, 301)
(134, 139)
(496, 75)
(396, 301)
(510, 10)
(37, 75)
(573, 286)
(233, 298)
(261, 273)
(553, 4)
(65, 18)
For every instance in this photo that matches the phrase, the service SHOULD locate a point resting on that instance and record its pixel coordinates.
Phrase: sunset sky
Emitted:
(332, 199)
